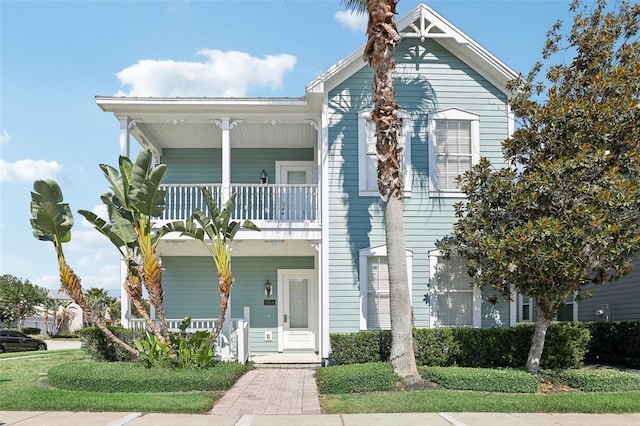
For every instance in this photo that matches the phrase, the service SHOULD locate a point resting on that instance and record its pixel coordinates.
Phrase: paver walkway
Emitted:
(272, 391)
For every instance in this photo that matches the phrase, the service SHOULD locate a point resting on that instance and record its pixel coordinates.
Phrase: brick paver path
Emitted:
(272, 391)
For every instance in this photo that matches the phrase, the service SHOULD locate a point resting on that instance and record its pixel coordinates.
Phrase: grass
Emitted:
(484, 390)
(23, 386)
(468, 401)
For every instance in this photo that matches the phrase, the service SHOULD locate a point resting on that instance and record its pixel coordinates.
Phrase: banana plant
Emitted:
(52, 220)
(135, 199)
(218, 228)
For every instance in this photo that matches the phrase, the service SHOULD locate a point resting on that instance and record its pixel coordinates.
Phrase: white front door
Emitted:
(295, 200)
(297, 310)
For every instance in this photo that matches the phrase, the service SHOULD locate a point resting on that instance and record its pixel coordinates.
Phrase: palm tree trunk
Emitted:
(225, 284)
(402, 352)
(72, 287)
(382, 40)
(132, 286)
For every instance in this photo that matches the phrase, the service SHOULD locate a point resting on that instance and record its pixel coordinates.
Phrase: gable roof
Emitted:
(424, 23)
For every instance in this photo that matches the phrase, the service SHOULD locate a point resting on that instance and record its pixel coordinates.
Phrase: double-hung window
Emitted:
(526, 309)
(455, 302)
(453, 149)
(367, 157)
(375, 311)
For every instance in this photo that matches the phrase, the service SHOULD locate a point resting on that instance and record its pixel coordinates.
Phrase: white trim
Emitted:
(453, 114)
(306, 166)
(520, 301)
(433, 308)
(363, 163)
(313, 307)
(513, 307)
(377, 251)
(324, 232)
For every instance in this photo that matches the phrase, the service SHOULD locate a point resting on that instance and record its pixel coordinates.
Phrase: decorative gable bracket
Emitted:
(426, 25)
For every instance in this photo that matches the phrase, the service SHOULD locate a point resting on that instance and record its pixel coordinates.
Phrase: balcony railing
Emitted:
(282, 203)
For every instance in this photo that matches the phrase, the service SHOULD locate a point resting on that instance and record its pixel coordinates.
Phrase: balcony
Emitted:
(255, 202)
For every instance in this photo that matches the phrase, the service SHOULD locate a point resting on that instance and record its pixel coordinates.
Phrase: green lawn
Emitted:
(468, 401)
(23, 386)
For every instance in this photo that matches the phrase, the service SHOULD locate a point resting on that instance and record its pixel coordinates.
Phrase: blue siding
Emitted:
(192, 165)
(247, 164)
(439, 82)
(191, 288)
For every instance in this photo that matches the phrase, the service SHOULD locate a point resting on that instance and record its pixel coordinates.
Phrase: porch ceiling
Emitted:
(159, 123)
(189, 133)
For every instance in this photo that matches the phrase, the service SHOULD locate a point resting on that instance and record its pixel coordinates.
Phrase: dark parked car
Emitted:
(14, 341)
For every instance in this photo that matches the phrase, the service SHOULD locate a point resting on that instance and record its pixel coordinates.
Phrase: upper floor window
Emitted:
(454, 138)
(368, 160)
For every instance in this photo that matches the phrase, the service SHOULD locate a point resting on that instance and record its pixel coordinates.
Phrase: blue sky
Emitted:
(55, 56)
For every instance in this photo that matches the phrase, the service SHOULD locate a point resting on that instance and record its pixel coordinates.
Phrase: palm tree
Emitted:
(51, 220)
(382, 38)
(220, 231)
(97, 299)
(135, 200)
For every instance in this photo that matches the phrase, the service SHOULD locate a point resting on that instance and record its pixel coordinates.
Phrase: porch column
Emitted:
(125, 145)
(224, 124)
(125, 302)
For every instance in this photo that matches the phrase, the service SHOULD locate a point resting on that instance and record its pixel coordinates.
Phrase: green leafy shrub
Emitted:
(437, 346)
(96, 343)
(368, 377)
(481, 379)
(30, 330)
(134, 377)
(565, 346)
(616, 343)
(361, 347)
(595, 380)
(190, 350)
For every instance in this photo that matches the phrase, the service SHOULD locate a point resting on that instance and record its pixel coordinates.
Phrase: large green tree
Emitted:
(19, 298)
(382, 38)
(566, 214)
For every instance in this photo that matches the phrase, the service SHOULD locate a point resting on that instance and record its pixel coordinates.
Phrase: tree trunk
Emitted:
(537, 341)
(402, 353)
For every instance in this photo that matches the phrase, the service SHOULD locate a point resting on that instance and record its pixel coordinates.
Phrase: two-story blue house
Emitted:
(304, 171)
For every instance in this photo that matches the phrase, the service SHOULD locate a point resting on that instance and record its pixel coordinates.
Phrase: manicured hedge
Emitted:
(30, 331)
(481, 379)
(565, 346)
(616, 343)
(96, 343)
(595, 379)
(133, 377)
(367, 377)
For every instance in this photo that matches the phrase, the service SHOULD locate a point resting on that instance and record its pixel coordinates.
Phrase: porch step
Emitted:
(290, 366)
(286, 360)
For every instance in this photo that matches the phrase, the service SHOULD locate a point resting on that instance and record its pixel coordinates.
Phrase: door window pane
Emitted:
(298, 303)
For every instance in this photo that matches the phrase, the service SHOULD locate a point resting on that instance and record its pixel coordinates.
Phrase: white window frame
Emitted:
(452, 114)
(404, 138)
(434, 255)
(365, 254)
(532, 308)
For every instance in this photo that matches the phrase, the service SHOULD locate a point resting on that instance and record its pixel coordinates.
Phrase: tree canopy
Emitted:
(565, 214)
(19, 298)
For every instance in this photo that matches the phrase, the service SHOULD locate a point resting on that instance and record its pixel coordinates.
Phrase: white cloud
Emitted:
(29, 170)
(223, 74)
(4, 137)
(355, 21)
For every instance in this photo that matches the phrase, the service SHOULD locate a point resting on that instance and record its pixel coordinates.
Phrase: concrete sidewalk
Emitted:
(38, 418)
